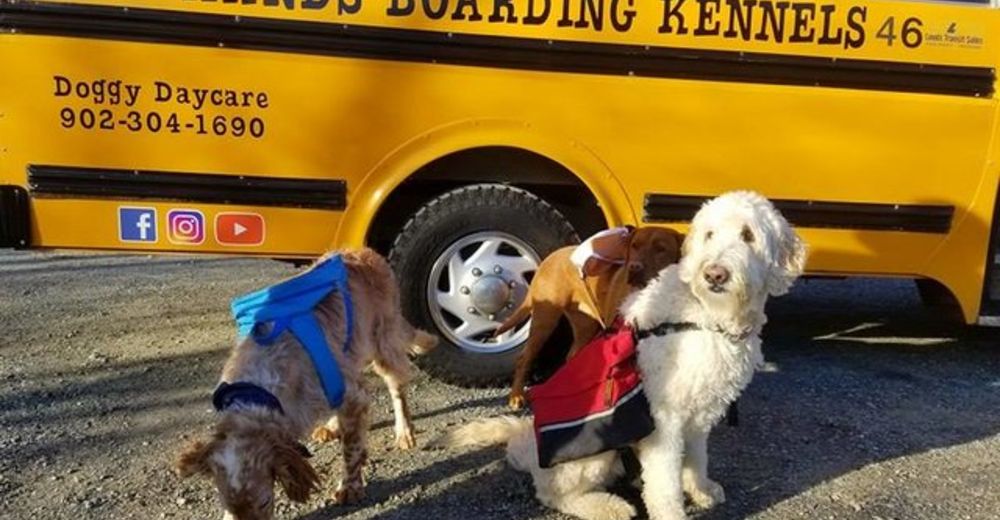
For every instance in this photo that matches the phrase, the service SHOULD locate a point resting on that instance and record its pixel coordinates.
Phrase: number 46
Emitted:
(911, 34)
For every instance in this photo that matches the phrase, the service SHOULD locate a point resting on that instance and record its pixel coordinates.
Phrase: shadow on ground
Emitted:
(106, 402)
(860, 378)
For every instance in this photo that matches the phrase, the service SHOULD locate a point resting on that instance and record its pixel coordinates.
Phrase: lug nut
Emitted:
(492, 317)
(464, 290)
(476, 271)
(510, 305)
(512, 284)
(472, 310)
(497, 269)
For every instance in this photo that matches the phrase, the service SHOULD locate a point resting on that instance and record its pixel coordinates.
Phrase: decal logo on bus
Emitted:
(239, 229)
(136, 224)
(954, 35)
(186, 227)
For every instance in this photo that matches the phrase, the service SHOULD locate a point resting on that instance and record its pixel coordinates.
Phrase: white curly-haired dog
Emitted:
(739, 251)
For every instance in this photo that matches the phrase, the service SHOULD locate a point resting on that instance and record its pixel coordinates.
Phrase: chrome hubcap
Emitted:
(490, 294)
(475, 284)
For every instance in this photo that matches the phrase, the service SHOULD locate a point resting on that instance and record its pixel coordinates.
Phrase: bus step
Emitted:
(15, 228)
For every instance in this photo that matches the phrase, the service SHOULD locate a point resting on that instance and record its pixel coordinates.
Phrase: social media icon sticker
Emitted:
(185, 227)
(239, 229)
(136, 224)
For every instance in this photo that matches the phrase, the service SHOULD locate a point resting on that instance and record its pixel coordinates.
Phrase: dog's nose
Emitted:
(635, 267)
(716, 274)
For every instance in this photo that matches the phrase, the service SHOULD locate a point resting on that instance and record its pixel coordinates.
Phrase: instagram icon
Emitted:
(185, 227)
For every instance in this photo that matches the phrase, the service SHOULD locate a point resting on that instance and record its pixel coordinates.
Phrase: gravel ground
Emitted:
(873, 406)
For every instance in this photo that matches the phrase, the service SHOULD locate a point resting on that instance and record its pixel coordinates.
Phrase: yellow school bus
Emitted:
(466, 139)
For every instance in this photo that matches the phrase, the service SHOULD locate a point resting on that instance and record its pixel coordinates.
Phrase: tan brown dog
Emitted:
(588, 296)
(254, 445)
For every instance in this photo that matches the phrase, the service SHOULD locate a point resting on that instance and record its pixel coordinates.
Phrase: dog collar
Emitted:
(666, 328)
(228, 395)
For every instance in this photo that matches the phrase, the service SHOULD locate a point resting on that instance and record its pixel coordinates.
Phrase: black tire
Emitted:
(444, 221)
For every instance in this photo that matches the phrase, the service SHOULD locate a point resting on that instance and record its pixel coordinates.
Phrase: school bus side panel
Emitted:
(680, 134)
(828, 145)
(280, 130)
(337, 118)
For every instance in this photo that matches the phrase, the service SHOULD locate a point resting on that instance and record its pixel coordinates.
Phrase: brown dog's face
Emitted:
(650, 250)
(244, 470)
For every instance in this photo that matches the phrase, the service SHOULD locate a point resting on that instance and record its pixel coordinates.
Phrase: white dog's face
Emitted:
(738, 251)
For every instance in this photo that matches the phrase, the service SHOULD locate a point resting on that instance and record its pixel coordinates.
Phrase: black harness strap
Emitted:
(666, 328)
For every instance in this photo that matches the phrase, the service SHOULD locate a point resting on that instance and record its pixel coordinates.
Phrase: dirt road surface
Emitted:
(872, 407)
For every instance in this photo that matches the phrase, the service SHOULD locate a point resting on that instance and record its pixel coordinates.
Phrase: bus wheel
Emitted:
(464, 262)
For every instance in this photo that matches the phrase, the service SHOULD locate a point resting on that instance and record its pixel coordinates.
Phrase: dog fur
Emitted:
(252, 447)
(689, 377)
(557, 290)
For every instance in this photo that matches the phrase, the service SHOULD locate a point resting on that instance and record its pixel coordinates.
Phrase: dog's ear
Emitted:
(194, 459)
(604, 250)
(293, 472)
(678, 244)
(626, 245)
(790, 259)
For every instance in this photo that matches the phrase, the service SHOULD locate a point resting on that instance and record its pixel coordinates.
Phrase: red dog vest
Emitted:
(594, 403)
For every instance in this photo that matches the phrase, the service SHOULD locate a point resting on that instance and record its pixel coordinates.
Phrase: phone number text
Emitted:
(155, 122)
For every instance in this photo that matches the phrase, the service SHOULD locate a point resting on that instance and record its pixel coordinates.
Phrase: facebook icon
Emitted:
(137, 224)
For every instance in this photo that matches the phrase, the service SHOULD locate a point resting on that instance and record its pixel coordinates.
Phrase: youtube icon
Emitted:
(239, 229)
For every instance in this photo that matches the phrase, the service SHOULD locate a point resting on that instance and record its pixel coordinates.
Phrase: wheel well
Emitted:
(535, 173)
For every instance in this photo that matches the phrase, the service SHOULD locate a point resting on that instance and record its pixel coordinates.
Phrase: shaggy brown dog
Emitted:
(254, 446)
(558, 290)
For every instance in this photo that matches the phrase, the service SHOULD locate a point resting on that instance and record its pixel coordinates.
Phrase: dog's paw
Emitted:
(618, 510)
(405, 440)
(665, 511)
(516, 401)
(708, 495)
(594, 506)
(324, 434)
(348, 494)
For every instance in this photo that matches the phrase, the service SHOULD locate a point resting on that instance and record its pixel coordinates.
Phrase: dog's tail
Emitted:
(484, 432)
(422, 343)
(522, 313)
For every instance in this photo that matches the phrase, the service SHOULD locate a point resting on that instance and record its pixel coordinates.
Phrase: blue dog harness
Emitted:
(288, 306)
